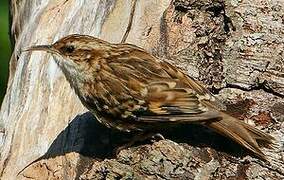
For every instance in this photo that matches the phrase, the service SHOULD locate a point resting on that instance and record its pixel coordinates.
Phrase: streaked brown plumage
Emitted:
(129, 89)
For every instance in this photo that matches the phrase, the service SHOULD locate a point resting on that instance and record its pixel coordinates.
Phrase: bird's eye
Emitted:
(68, 49)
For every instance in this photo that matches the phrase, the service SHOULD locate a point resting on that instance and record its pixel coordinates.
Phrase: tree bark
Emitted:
(234, 47)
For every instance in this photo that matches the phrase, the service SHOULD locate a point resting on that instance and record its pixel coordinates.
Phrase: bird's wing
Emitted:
(197, 86)
(169, 102)
(134, 83)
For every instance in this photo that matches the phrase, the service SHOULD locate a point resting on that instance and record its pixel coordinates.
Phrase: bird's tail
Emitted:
(242, 133)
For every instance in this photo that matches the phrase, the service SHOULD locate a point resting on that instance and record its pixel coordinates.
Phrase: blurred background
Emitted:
(5, 50)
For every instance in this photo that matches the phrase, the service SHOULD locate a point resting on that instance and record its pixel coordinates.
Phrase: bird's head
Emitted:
(75, 53)
(73, 47)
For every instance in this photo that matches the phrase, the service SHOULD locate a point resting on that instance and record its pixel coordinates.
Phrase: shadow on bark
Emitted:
(88, 137)
(85, 135)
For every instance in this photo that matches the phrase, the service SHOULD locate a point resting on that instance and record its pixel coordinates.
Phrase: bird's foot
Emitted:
(141, 137)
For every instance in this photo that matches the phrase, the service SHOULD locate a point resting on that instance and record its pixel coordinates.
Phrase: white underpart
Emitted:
(52, 71)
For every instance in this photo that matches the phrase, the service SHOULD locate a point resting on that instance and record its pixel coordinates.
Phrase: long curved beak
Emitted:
(47, 48)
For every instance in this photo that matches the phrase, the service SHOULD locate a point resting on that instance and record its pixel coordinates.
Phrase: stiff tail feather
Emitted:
(242, 133)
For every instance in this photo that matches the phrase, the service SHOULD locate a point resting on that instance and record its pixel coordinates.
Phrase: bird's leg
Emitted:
(142, 136)
(156, 137)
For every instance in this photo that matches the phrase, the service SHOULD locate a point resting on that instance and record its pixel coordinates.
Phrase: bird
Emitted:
(129, 89)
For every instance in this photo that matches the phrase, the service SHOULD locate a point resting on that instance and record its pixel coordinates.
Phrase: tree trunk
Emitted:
(234, 47)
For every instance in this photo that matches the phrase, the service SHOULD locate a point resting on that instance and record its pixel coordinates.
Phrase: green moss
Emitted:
(5, 50)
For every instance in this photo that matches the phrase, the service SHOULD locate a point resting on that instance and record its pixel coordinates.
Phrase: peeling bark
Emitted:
(234, 47)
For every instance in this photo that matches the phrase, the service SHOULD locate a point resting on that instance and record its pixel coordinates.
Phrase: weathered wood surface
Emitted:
(234, 47)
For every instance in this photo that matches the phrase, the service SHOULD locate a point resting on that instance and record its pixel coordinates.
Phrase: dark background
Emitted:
(5, 51)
